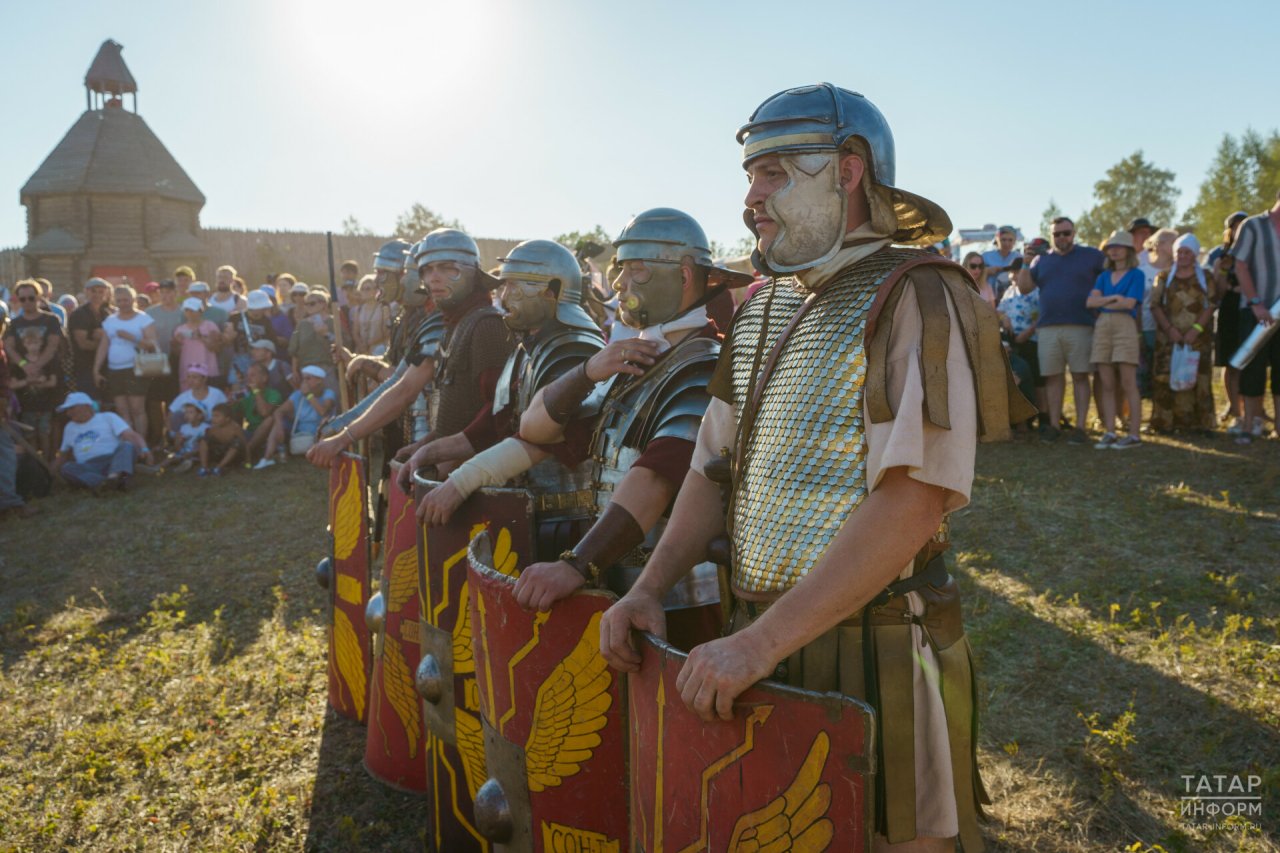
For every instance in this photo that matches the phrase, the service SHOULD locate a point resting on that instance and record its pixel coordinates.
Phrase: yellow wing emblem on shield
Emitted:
(795, 821)
(346, 516)
(400, 692)
(463, 660)
(350, 660)
(470, 737)
(404, 579)
(568, 713)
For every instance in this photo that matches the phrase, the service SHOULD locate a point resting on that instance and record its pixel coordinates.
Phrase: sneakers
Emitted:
(263, 463)
(1235, 427)
(1049, 435)
(215, 472)
(281, 456)
(1127, 443)
(184, 466)
(202, 473)
(1260, 429)
(1078, 437)
(1107, 440)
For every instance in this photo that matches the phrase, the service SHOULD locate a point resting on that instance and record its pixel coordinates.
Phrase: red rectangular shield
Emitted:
(350, 655)
(446, 677)
(552, 711)
(394, 747)
(793, 770)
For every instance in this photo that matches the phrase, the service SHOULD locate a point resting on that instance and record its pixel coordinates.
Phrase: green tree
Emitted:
(351, 227)
(419, 219)
(732, 250)
(597, 235)
(1132, 188)
(1051, 213)
(1244, 175)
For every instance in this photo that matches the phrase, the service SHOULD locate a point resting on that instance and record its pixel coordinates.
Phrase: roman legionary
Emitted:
(542, 296)
(642, 399)
(447, 266)
(848, 400)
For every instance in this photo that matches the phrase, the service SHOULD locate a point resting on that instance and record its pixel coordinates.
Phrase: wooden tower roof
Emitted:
(108, 74)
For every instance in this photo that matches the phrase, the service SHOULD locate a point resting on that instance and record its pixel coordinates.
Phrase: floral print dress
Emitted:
(1182, 300)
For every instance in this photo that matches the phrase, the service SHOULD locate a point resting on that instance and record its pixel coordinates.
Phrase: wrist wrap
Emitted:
(562, 397)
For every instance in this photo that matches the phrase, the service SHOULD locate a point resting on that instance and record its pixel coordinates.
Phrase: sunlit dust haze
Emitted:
(526, 120)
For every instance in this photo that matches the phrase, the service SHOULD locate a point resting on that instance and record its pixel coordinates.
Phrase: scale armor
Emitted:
(667, 402)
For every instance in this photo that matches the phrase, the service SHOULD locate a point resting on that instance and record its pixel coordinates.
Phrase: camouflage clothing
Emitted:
(1181, 300)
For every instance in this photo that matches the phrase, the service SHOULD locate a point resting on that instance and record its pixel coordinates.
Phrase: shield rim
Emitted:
(835, 703)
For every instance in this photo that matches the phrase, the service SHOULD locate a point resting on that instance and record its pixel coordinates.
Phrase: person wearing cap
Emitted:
(880, 362)
(182, 279)
(312, 341)
(198, 392)
(243, 328)
(11, 503)
(85, 325)
(279, 376)
(279, 318)
(293, 293)
(196, 341)
(1065, 276)
(200, 290)
(1183, 302)
(1117, 297)
(1227, 335)
(1257, 267)
(1000, 260)
(99, 449)
(296, 423)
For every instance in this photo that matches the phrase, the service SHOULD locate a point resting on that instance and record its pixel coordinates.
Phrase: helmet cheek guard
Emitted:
(811, 212)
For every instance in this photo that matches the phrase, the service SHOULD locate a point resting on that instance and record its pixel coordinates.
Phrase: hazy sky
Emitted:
(529, 119)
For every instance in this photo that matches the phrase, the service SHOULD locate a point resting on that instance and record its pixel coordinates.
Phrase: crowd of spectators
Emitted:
(174, 375)
(180, 376)
(1147, 314)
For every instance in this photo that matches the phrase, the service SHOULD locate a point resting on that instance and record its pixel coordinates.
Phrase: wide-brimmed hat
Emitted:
(1140, 222)
(1119, 238)
(258, 301)
(76, 398)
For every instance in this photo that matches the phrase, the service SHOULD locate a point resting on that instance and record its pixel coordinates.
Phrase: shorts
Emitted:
(1253, 379)
(123, 383)
(1029, 351)
(1115, 339)
(1063, 347)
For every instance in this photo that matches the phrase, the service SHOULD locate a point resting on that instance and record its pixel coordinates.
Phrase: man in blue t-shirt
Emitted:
(1065, 276)
(297, 420)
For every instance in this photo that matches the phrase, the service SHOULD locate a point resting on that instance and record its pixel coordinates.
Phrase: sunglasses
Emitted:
(976, 266)
(26, 299)
(1063, 233)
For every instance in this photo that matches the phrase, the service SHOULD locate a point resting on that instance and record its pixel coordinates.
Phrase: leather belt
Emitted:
(582, 498)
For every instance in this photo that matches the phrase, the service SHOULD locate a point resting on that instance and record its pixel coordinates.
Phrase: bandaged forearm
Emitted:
(492, 468)
(563, 396)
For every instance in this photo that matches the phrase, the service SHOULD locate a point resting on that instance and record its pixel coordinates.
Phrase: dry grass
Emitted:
(163, 683)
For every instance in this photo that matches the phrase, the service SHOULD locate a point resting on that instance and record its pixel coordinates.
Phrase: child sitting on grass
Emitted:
(223, 442)
(184, 442)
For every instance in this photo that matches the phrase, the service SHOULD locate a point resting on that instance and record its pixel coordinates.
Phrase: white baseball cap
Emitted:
(193, 304)
(76, 398)
(312, 370)
(198, 287)
(264, 344)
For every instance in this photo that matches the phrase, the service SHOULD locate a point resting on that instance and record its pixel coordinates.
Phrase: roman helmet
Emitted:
(535, 267)
(415, 292)
(450, 244)
(388, 268)
(809, 128)
(663, 240)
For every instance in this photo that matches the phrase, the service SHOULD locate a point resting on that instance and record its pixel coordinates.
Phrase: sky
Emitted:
(525, 120)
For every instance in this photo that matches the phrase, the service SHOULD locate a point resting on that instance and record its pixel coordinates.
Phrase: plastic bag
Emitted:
(1182, 371)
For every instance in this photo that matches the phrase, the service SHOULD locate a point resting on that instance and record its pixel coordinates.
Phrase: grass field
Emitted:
(163, 683)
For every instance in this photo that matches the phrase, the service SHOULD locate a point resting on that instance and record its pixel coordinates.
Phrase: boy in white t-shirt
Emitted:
(98, 448)
(184, 442)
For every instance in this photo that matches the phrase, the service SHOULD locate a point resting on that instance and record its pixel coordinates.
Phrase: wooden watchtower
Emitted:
(110, 200)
